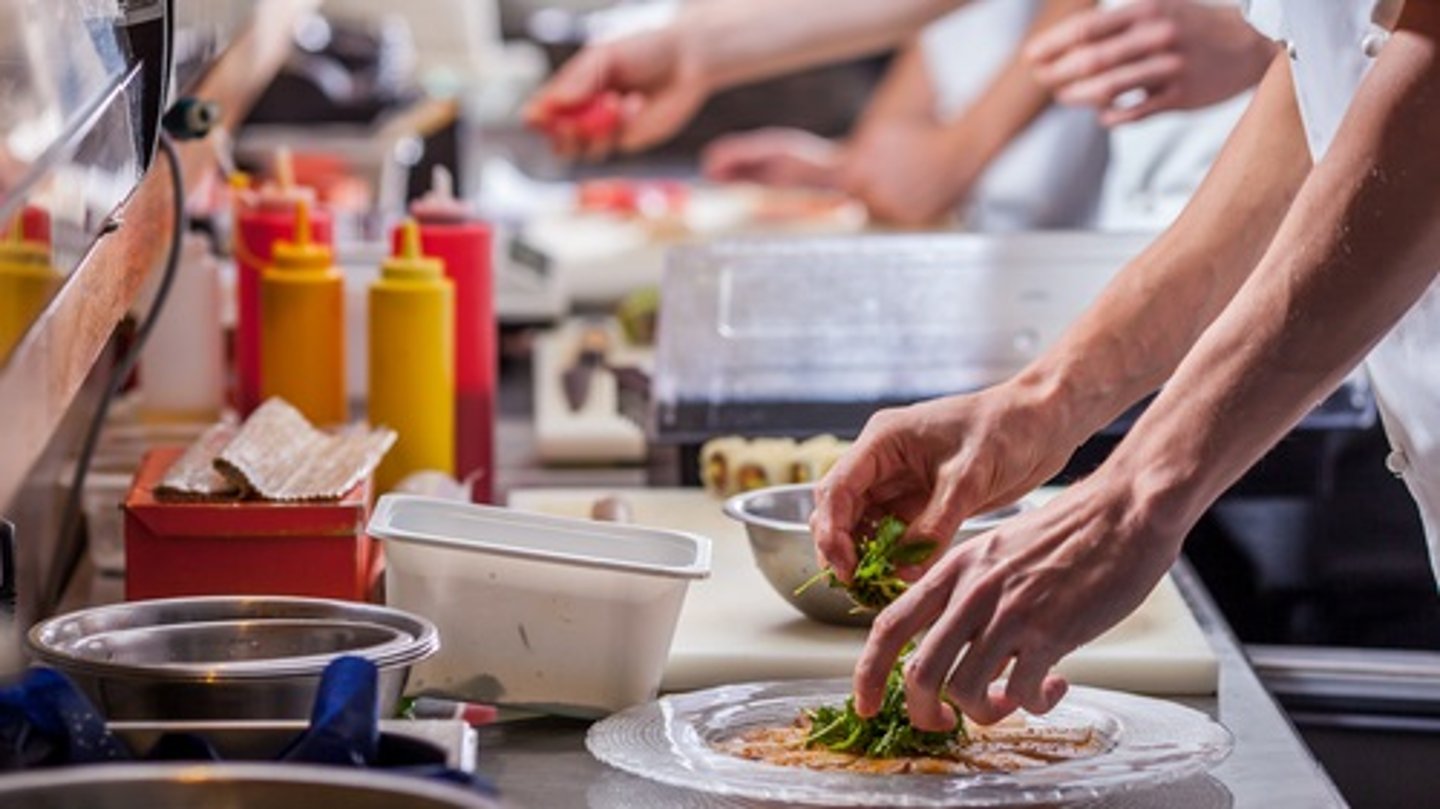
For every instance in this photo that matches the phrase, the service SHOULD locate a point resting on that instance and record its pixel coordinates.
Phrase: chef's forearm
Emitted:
(1360, 247)
(739, 41)
(1155, 309)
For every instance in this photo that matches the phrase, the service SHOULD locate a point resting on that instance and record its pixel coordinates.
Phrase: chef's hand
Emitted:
(1029, 592)
(1175, 54)
(773, 156)
(936, 463)
(629, 93)
(909, 172)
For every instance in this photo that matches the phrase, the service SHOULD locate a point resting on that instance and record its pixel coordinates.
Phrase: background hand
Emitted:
(773, 156)
(652, 79)
(1180, 54)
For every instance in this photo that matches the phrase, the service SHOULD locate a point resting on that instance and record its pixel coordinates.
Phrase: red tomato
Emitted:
(595, 118)
(625, 196)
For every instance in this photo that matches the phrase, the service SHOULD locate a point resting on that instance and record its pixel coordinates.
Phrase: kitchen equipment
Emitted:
(735, 628)
(804, 336)
(589, 359)
(1149, 742)
(777, 521)
(567, 616)
(599, 431)
(403, 742)
(234, 786)
(450, 232)
(412, 362)
(317, 549)
(226, 657)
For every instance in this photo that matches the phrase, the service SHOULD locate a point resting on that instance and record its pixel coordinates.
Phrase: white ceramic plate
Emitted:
(1151, 742)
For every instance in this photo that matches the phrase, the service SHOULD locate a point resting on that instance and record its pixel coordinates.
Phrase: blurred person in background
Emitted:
(1170, 78)
(957, 128)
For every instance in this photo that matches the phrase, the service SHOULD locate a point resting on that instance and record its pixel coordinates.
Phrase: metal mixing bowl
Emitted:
(777, 520)
(233, 786)
(227, 657)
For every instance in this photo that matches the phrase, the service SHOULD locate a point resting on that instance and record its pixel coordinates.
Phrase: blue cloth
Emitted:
(45, 721)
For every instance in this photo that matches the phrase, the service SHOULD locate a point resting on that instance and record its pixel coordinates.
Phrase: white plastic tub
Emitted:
(566, 616)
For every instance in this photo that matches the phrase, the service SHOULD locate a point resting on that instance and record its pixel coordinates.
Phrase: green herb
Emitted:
(874, 586)
(875, 583)
(888, 734)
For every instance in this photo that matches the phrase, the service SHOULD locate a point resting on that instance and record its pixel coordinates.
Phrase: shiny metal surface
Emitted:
(749, 327)
(777, 519)
(226, 657)
(231, 786)
(237, 644)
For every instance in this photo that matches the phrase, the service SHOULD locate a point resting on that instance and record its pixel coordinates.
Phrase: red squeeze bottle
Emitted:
(261, 219)
(451, 233)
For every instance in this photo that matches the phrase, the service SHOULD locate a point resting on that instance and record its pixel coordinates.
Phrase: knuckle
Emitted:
(886, 625)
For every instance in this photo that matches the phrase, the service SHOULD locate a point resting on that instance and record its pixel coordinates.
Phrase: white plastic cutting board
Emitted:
(735, 628)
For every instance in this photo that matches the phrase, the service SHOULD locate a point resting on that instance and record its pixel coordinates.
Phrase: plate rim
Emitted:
(669, 710)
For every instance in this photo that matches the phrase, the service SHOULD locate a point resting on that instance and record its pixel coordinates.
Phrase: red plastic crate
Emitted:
(245, 548)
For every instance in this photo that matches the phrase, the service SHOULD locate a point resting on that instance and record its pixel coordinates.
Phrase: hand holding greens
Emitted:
(875, 584)
(881, 553)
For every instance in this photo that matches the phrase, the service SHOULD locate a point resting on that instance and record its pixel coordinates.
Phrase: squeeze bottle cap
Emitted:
(409, 263)
(302, 253)
(283, 192)
(15, 249)
(439, 203)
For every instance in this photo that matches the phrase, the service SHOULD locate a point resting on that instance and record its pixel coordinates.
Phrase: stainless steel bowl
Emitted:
(227, 657)
(233, 786)
(777, 520)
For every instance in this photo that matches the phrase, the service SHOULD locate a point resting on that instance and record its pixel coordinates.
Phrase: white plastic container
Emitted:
(565, 616)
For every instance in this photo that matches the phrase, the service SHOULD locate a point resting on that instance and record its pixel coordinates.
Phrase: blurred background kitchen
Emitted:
(809, 248)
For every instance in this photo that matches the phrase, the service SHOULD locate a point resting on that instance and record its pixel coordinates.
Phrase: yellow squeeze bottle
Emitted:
(302, 323)
(412, 361)
(26, 283)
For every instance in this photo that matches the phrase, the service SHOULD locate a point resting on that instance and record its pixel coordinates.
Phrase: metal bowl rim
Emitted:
(398, 786)
(737, 507)
(399, 645)
(426, 641)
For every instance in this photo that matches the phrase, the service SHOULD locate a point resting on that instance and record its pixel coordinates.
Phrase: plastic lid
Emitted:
(440, 204)
(409, 262)
(16, 249)
(302, 253)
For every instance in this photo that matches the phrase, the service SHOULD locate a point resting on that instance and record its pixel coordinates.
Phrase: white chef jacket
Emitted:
(1157, 163)
(1049, 176)
(1332, 45)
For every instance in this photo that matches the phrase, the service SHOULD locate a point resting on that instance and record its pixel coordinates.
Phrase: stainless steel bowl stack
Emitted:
(226, 657)
(777, 520)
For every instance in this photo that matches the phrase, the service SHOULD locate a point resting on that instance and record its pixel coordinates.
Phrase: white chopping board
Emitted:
(735, 628)
(597, 432)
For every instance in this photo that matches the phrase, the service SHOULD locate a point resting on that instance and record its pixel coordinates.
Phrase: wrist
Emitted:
(1058, 394)
(1166, 482)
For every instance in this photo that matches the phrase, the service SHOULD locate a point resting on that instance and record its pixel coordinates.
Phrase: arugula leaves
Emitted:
(888, 734)
(881, 552)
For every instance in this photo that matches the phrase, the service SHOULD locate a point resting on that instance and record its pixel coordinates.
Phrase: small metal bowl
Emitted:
(226, 657)
(777, 520)
(235, 786)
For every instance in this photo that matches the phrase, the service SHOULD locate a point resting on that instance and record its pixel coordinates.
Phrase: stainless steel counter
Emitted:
(543, 763)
